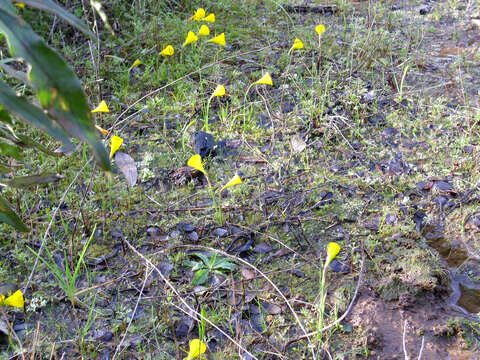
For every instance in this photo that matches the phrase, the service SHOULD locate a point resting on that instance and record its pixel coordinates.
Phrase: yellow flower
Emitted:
(219, 39)
(196, 348)
(135, 64)
(265, 80)
(168, 51)
(219, 91)
(102, 130)
(191, 38)
(320, 29)
(20, 5)
(196, 162)
(332, 250)
(115, 143)
(102, 107)
(204, 31)
(199, 15)
(297, 45)
(209, 18)
(14, 300)
(233, 181)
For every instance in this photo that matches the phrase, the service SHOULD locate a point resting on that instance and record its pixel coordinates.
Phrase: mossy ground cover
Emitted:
(370, 140)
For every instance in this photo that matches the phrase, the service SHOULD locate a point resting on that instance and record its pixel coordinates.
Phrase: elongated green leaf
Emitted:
(5, 116)
(7, 5)
(59, 91)
(53, 7)
(25, 181)
(31, 114)
(9, 149)
(8, 216)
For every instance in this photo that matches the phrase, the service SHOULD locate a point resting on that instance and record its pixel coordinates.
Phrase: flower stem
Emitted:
(322, 302)
(206, 114)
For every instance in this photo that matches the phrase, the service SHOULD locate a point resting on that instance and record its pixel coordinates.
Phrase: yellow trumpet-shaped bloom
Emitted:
(332, 251)
(135, 64)
(204, 31)
(233, 181)
(196, 348)
(297, 45)
(168, 51)
(210, 18)
(219, 91)
(102, 130)
(196, 162)
(115, 143)
(265, 80)
(102, 107)
(320, 29)
(199, 15)
(191, 38)
(14, 300)
(20, 5)
(219, 39)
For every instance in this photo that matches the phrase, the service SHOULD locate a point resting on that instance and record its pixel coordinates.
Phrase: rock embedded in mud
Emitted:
(220, 232)
(192, 236)
(338, 267)
(203, 143)
(185, 227)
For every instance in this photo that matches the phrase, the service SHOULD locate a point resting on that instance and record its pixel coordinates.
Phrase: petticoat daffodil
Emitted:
(297, 45)
(332, 251)
(102, 107)
(135, 64)
(115, 143)
(219, 39)
(14, 300)
(233, 181)
(199, 15)
(204, 31)
(196, 162)
(191, 38)
(265, 80)
(320, 29)
(102, 130)
(168, 51)
(196, 348)
(210, 18)
(219, 91)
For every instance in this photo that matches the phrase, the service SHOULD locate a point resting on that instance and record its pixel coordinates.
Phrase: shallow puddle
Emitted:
(465, 293)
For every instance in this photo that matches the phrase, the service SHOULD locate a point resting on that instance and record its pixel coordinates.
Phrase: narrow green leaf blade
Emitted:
(50, 6)
(31, 114)
(8, 216)
(25, 181)
(10, 150)
(59, 90)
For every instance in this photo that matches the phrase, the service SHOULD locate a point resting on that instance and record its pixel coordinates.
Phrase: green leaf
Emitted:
(8, 216)
(50, 6)
(24, 181)
(9, 149)
(7, 6)
(5, 116)
(224, 265)
(59, 90)
(31, 114)
(200, 277)
(202, 257)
